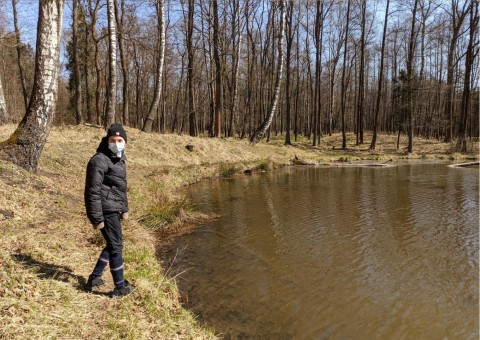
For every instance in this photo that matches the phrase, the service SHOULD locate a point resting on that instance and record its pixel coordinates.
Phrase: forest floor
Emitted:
(48, 247)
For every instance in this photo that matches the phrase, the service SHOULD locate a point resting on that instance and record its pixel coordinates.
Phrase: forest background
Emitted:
(348, 66)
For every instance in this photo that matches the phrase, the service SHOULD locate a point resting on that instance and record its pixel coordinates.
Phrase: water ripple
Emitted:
(340, 253)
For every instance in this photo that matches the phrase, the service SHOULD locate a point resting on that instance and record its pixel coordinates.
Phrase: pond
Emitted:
(336, 252)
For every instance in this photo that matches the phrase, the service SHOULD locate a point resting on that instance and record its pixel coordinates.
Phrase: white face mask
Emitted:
(117, 148)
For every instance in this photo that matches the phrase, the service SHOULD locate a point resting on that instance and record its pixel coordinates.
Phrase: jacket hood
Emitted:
(103, 148)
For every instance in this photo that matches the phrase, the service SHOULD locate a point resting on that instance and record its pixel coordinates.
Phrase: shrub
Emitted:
(227, 170)
(345, 159)
(263, 166)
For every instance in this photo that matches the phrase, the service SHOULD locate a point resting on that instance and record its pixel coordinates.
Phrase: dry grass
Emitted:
(48, 248)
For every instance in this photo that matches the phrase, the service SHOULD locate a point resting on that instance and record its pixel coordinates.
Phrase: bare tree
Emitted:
(380, 79)
(191, 98)
(218, 72)
(86, 70)
(289, 39)
(112, 65)
(25, 145)
(361, 78)
(410, 79)
(321, 12)
(334, 59)
(120, 20)
(93, 11)
(472, 52)
(76, 62)
(237, 43)
(19, 53)
(344, 85)
(260, 132)
(147, 127)
(457, 17)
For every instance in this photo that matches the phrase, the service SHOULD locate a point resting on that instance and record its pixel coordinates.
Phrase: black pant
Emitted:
(112, 233)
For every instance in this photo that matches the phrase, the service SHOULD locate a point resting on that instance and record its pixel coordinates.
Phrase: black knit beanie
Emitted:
(117, 130)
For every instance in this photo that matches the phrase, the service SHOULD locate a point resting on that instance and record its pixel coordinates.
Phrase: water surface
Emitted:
(350, 253)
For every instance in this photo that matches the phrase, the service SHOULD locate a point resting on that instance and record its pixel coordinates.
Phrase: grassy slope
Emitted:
(48, 248)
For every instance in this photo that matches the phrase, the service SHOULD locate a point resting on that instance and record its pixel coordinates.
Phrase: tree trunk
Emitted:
(410, 79)
(462, 127)
(76, 62)
(457, 21)
(87, 82)
(191, 98)
(380, 79)
(361, 79)
(297, 90)
(120, 20)
(289, 36)
(236, 56)
(25, 145)
(19, 54)
(218, 72)
(318, 66)
(3, 106)
(260, 132)
(344, 86)
(96, 40)
(147, 127)
(319, 19)
(112, 65)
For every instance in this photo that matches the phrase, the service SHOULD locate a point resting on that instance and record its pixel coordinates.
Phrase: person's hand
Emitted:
(124, 216)
(98, 225)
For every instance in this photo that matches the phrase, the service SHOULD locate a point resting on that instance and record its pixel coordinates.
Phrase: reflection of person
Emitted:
(106, 203)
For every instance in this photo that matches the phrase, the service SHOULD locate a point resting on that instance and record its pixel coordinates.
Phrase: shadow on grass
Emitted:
(48, 271)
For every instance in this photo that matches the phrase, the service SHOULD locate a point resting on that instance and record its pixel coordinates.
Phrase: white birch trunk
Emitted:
(147, 127)
(25, 145)
(260, 133)
(3, 105)
(112, 65)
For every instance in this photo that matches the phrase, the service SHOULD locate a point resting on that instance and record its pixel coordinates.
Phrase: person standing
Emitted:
(106, 204)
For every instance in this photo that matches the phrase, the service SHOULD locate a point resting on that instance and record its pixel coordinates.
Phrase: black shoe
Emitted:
(123, 291)
(94, 283)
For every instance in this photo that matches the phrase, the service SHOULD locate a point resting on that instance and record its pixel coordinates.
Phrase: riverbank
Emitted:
(48, 247)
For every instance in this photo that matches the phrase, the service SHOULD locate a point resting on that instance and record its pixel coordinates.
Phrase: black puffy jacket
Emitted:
(106, 184)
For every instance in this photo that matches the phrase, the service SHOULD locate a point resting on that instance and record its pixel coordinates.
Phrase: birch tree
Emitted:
(25, 145)
(260, 132)
(147, 127)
